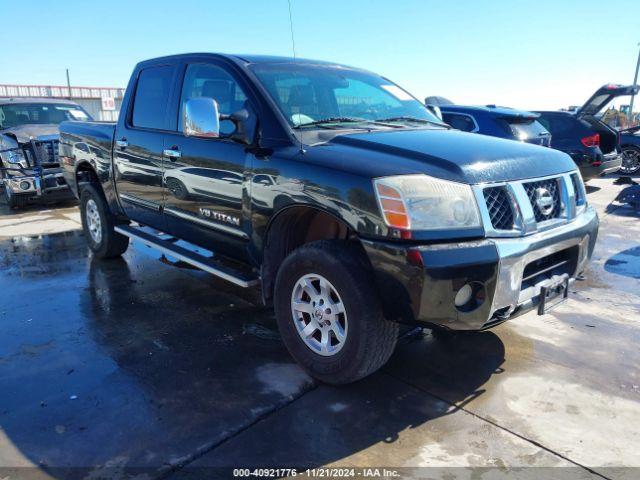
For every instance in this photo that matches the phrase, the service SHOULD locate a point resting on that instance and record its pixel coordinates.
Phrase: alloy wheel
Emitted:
(94, 223)
(630, 161)
(319, 314)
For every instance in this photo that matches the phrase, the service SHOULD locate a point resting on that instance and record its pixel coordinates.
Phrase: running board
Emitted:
(168, 246)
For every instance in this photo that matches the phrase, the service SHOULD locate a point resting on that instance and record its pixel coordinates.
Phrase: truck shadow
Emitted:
(169, 366)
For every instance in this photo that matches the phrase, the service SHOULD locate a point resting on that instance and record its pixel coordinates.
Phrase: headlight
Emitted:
(420, 202)
(16, 156)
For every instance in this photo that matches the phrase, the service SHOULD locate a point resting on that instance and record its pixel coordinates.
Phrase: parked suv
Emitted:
(491, 120)
(347, 202)
(29, 166)
(592, 144)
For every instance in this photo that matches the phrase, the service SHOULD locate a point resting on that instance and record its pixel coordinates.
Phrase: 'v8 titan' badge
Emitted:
(223, 217)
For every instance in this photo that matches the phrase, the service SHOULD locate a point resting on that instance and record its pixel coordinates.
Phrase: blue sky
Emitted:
(527, 54)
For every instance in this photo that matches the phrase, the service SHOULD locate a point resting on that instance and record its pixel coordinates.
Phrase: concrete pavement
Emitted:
(138, 367)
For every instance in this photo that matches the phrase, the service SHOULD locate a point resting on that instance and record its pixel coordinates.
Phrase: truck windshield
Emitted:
(330, 96)
(40, 113)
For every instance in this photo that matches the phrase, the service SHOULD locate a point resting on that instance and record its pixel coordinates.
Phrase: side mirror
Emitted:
(200, 118)
(244, 127)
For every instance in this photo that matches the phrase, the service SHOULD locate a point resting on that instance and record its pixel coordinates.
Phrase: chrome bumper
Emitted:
(516, 253)
(36, 184)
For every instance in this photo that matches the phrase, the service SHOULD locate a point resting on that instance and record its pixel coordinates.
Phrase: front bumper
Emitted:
(50, 184)
(418, 283)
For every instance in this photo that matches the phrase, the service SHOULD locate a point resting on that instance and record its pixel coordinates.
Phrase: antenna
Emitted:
(295, 62)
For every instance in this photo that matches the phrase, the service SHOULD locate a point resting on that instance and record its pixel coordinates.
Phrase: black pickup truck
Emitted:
(336, 191)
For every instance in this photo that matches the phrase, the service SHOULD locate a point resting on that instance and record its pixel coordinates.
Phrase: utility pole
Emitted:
(69, 84)
(635, 82)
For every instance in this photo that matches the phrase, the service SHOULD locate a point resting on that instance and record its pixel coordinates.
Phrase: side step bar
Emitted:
(167, 246)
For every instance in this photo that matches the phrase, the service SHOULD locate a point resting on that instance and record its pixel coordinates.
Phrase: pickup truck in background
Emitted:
(29, 166)
(338, 193)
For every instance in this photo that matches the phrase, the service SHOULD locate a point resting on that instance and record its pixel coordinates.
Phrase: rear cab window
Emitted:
(152, 96)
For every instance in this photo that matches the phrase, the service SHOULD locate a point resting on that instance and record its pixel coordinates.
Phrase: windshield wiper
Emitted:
(324, 121)
(406, 118)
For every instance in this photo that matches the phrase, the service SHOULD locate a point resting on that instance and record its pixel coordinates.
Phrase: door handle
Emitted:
(122, 143)
(173, 154)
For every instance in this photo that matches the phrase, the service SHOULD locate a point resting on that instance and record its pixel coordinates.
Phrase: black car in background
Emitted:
(630, 146)
(502, 122)
(593, 145)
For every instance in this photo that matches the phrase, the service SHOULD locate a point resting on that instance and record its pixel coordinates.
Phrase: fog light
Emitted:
(463, 296)
(24, 185)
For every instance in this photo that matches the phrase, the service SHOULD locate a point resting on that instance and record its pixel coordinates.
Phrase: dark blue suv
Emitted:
(491, 120)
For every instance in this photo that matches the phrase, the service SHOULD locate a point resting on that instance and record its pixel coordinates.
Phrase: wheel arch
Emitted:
(293, 226)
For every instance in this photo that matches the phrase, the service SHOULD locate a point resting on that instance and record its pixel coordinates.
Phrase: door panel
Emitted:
(205, 192)
(205, 186)
(138, 173)
(138, 152)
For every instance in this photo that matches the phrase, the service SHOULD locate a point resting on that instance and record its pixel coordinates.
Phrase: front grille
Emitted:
(500, 209)
(48, 153)
(544, 196)
(577, 188)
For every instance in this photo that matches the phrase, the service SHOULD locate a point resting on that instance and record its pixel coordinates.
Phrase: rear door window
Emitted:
(523, 131)
(460, 121)
(152, 97)
(558, 124)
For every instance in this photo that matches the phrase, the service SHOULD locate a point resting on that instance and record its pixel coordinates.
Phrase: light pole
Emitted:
(69, 85)
(635, 81)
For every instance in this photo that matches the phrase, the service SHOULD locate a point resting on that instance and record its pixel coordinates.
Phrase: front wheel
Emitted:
(98, 224)
(329, 314)
(13, 200)
(630, 160)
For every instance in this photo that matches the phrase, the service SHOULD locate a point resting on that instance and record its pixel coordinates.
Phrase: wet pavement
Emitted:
(139, 368)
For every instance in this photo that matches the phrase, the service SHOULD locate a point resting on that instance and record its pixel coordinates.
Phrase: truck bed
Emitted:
(90, 142)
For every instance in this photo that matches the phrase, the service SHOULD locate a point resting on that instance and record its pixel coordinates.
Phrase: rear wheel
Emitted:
(630, 160)
(329, 315)
(98, 224)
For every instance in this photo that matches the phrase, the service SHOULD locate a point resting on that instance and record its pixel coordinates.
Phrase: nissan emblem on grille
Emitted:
(544, 200)
(544, 196)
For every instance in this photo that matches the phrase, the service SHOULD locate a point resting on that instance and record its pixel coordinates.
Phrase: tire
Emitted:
(368, 338)
(13, 200)
(98, 224)
(630, 160)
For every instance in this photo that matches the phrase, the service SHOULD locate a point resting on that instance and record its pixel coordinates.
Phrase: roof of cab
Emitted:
(247, 59)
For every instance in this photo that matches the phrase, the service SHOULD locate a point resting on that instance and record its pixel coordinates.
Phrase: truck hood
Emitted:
(24, 133)
(451, 155)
